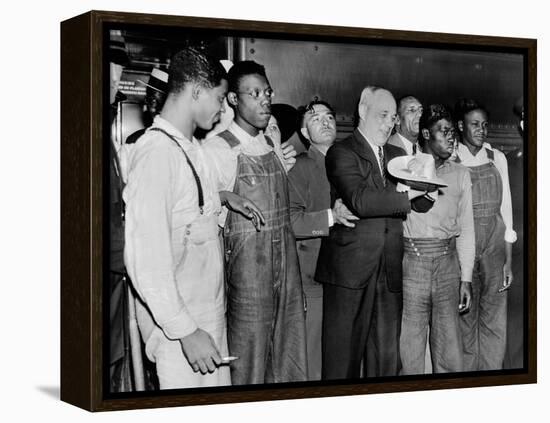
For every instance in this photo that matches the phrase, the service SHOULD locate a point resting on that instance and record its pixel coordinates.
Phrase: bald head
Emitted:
(377, 114)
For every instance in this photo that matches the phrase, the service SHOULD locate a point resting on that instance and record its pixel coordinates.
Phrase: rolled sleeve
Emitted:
(465, 243)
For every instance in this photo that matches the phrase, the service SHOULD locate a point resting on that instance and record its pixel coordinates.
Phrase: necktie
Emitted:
(414, 149)
(382, 164)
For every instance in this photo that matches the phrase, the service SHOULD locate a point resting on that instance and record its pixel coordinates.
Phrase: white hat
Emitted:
(417, 168)
(158, 80)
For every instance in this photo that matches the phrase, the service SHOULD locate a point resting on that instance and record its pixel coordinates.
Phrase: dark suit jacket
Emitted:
(351, 257)
(309, 193)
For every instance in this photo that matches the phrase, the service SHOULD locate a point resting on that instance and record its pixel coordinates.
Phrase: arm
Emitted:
(510, 235)
(148, 240)
(357, 190)
(306, 224)
(465, 243)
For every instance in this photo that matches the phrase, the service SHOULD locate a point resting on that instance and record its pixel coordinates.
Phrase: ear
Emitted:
(362, 110)
(305, 133)
(460, 125)
(426, 134)
(196, 91)
(232, 98)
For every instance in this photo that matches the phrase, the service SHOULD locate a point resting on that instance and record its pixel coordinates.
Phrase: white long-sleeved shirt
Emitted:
(469, 160)
(162, 202)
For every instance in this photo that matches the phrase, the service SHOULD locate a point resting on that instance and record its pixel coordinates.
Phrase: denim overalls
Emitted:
(484, 326)
(265, 307)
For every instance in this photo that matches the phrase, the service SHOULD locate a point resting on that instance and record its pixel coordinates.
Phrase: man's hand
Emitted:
(201, 351)
(243, 206)
(508, 277)
(465, 295)
(289, 155)
(342, 215)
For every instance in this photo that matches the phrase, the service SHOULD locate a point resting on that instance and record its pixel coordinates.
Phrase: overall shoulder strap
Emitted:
(229, 138)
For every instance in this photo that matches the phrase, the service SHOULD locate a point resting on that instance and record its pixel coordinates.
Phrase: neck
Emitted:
(245, 126)
(474, 149)
(178, 114)
(409, 136)
(322, 148)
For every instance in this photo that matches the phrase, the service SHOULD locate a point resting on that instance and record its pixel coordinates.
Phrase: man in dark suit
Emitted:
(312, 214)
(361, 267)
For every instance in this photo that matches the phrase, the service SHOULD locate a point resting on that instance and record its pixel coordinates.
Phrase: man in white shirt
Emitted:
(172, 249)
(409, 111)
(484, 327)
(266, 323)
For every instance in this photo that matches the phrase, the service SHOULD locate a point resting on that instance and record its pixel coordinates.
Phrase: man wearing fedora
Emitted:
(312, 215)
(360, 267)
(439, 250)
(155, 96)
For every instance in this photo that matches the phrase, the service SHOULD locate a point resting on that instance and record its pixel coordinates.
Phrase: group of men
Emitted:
(253, 266)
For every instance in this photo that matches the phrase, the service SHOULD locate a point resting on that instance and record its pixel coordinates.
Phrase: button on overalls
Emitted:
(484, 326)
(265, 307)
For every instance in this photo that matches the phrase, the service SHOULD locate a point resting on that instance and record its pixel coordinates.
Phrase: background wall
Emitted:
(29, 171)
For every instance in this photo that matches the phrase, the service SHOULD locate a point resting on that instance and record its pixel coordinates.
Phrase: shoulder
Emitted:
(395, 151)
(304, 164)
(216, 143)
(395, 140)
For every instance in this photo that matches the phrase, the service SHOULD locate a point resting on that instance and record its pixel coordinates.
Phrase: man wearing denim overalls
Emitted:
(484, 327)
(265, 309)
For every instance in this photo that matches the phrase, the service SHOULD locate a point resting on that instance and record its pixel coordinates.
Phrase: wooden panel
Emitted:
(301, 70)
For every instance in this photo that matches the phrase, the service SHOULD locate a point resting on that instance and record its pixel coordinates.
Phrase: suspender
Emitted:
(233, 141)
(196, 176)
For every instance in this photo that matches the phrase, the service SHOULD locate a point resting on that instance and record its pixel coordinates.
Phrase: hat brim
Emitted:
(398, 168)
(156, 88)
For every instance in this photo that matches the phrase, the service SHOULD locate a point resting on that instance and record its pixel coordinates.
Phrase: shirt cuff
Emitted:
(330, 218)
(466, 274)
(180, 326)
(510, 236)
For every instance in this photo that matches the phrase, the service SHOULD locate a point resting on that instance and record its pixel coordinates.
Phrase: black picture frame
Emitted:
(84, 184)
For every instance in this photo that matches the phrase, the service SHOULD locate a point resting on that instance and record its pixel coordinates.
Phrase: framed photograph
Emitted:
(198, 266)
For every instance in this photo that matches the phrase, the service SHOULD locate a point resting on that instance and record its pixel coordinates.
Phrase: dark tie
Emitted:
(414, 149)
(382, 164)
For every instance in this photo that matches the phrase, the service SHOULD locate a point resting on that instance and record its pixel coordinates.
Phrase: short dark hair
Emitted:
(433, 114)
(302, 110)
(402, 101)
(190, 65)
(242, 69)
(467, 105)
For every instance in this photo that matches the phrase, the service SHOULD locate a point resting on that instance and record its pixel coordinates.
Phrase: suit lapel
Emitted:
(361, 147)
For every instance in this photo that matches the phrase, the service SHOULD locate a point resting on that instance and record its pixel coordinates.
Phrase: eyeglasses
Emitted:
(257, 93)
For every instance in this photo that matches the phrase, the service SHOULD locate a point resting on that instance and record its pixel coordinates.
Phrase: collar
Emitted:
(162, 123)
(314, 153)
(374, 147)
(242, 135)
(406, 140)
(465, 154)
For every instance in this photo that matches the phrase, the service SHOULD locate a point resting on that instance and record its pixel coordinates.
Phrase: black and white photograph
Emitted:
(311, 210)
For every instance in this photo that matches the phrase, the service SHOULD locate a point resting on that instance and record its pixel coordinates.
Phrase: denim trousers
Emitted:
(484, 326)
(431, 283)
(265, 301)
